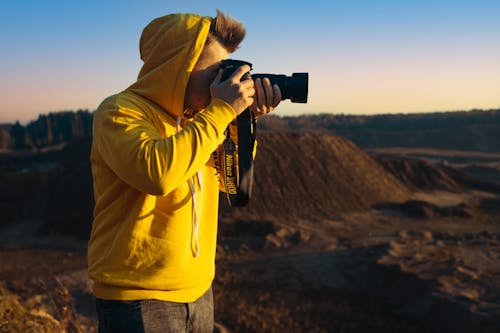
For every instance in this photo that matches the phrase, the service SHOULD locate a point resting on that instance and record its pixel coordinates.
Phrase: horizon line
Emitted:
(277, 114)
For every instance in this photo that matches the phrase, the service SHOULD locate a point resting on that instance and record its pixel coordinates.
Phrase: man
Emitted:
(152, 247)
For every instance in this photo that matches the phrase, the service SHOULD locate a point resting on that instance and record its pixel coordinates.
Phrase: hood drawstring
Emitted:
(192, 189)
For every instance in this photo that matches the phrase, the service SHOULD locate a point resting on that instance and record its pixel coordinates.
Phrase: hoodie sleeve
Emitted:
(132, 146)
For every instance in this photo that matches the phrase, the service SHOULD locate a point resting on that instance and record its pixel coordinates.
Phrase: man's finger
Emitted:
(269, 91)
(218, 77)
(277, 95)
(238, 74)
(259, 92)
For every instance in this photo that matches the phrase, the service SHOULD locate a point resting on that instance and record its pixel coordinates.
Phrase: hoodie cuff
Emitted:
(219, 113)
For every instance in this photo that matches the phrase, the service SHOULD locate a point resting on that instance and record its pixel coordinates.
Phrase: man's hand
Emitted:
(239, 94)
(267, 97)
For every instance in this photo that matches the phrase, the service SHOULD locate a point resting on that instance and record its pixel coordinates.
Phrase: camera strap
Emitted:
(237, 159)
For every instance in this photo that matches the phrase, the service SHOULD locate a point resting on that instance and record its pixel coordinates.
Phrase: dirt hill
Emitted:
(304, 174)
(422, 175)
(296, 175)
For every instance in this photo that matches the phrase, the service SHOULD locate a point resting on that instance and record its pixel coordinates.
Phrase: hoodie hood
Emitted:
(170, 47)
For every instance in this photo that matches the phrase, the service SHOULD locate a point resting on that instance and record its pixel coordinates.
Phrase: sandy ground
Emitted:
(376, 271)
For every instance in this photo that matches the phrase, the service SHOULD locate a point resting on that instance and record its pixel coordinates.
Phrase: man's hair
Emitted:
(227, 31)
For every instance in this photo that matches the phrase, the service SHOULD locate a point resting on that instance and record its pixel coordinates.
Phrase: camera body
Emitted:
(294, 88)
(235, 155)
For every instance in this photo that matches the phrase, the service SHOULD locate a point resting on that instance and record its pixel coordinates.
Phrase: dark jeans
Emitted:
(148, 316)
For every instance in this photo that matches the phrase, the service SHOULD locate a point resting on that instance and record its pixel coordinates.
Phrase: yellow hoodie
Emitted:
(155, 184)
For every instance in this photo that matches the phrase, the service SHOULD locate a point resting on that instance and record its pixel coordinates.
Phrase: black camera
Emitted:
(235, 156)
(292, 87)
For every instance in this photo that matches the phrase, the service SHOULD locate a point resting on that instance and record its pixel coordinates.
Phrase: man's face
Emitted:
(198, 88)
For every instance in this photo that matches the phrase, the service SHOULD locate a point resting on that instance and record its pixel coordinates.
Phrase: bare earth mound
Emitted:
(333, 240)
(299, 174)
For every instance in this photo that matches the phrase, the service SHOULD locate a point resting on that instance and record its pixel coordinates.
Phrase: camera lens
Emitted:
(300, 83)
(294, 88)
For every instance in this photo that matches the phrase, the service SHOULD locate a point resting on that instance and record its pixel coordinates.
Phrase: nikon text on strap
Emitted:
(237, 160)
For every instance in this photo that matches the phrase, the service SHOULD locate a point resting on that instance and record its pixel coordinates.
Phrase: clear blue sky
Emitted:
(363, 56)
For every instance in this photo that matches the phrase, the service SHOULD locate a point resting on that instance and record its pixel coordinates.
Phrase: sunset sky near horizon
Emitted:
(363, 56)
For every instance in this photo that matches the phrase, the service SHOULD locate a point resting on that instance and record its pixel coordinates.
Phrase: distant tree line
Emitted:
(392, 122)
(463, 130)
(47, 130)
